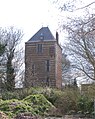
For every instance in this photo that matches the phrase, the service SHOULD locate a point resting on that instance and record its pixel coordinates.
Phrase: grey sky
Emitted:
(28, 15)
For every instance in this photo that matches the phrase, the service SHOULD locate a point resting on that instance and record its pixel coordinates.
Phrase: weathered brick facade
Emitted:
(43, 60)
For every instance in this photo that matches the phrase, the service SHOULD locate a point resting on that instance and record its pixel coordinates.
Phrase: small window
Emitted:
(39, 48)
(42, 37)
(47, 81)
(47, 65)
(52, 51)
(33, 69)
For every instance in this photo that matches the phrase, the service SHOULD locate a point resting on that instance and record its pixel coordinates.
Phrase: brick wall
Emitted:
(40, 77)
(58, 66)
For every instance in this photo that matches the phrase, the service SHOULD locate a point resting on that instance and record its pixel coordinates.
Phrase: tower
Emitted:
(43, 60)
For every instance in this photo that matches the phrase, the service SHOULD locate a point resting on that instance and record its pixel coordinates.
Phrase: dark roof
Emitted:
(43, 34)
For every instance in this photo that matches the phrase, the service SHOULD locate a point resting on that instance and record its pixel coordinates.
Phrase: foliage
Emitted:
(7, 95)
(34, 104)
(64, 101)
(21, 93)
(40, 104)
(52, 95)
(47, 101)
(85, 105)
(13, 107)
(3, 115)
(70, 101)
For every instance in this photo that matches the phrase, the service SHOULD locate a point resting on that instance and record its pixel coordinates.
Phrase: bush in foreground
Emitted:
(3, 115)
(39, 103)
(33, 104)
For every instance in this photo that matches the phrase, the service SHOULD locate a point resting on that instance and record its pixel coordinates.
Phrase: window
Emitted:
(33, 69)
(42, 37)
(47, 81)
(47, 65)
(52, 51)
(39, 48)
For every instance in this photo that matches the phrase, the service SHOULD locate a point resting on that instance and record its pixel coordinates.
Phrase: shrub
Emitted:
(14, 107)
(85, 105)
(65, 101)
(21, 93)
(9, 95)
(39, 103)
(34, 104)
(52, 94)
(3, 115)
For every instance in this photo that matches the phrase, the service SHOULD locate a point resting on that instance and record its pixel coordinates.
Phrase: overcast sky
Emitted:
(29, 15)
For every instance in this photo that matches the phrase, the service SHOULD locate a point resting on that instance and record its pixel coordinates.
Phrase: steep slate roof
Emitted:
(43, 34)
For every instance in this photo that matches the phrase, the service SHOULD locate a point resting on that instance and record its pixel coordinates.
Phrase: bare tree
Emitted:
(81, 44)
(12, 38)
(69, 73)
(66, 70)
(2, 50)
(73, 5)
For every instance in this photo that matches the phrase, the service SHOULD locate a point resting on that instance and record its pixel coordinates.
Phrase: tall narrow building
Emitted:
(43, 60)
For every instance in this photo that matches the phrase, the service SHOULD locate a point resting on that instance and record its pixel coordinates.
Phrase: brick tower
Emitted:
(43, 60)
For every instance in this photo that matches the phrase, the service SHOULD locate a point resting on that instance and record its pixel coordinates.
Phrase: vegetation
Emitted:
(46, 101)
(39, 103)
(13, 107)
(2, 49)
(79, 36)
(10, 57)
(34, 104)
(3, 115)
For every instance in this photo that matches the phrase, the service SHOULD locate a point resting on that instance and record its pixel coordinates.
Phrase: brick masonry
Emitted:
(36, 73)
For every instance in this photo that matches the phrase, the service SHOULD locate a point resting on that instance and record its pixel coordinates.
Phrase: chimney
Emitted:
(57, 36)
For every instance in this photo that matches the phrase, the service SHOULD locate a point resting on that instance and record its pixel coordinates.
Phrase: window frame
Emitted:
(48, 81)
(33, 69)
(47, 65)
(39, 48)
